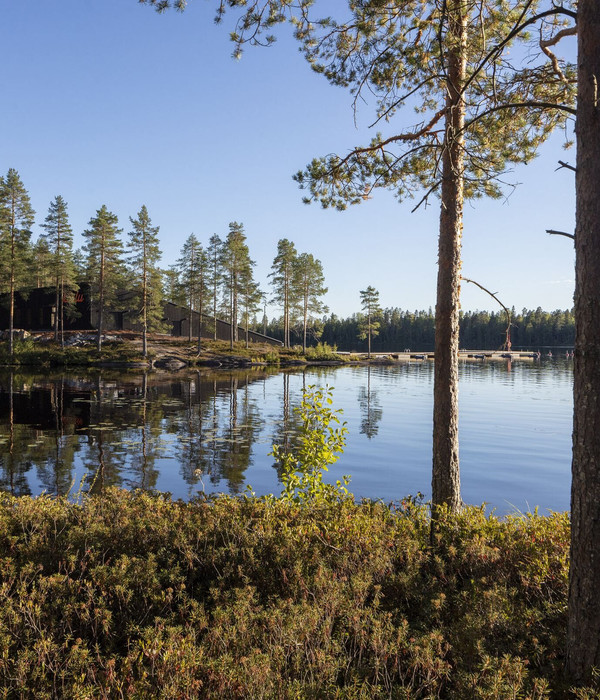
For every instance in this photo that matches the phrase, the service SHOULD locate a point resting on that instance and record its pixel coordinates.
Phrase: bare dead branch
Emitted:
(566, 165)
(559, 233)
(507, 342)
(425, 197)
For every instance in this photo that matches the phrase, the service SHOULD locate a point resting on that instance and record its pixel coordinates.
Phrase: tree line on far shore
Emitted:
(482, 330)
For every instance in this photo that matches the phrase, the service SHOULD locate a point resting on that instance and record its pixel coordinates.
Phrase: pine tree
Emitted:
(173, 287)
(251, 300)
(236, 264)
(214, 275)
(282, 280)
(147, 278)
(59, 237)
(309, 286)
(190, 263)
(369, 324)
(104, 267)
(41, 262)
(203, 292)
(16, 220)
(583, 635)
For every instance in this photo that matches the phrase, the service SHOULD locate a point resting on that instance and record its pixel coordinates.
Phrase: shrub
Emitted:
(135, 595)
(322, 351)
(319, 443)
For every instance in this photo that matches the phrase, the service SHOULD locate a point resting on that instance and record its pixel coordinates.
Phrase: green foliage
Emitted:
(135, 595)
(28, 353)
(237, 272)
(282, 278)
(147, 280)
(322, 437)
(271, 358)
(322, 351)
(104, 266)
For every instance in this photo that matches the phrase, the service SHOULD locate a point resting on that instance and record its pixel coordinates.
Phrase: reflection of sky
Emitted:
(515, 432)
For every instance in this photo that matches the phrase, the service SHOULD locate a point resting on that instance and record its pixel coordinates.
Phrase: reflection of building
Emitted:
(35, 311)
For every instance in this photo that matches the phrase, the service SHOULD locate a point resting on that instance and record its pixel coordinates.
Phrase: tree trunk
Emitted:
(200, 311)
(445, 472)
(11, 321)
(305, 322)
(101, 300)
(583, 636)
(62, 311)
(57, 309)
(145, 304)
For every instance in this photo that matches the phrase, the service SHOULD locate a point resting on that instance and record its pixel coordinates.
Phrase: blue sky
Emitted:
(106, 102)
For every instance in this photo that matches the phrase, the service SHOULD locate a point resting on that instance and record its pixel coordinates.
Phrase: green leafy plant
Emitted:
(322, 351)
(322, 439)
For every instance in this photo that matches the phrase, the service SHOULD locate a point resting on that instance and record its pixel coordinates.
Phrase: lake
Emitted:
(212, 431)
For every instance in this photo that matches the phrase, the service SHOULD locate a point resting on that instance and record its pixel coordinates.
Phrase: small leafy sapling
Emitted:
(321, 441)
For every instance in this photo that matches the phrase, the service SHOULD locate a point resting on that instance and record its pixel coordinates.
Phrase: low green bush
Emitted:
(322, 351)
(136, 595)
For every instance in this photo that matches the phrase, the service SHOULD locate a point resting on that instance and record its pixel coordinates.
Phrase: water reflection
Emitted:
(213, 431)
(119, 429)
(370, 407)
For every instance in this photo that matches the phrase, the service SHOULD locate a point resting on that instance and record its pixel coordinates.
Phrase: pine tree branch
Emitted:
(531, 104)
(512, 34)
(559, 233)
(562, 164)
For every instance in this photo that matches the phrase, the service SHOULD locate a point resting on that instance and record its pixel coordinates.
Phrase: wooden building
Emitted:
(35, 311)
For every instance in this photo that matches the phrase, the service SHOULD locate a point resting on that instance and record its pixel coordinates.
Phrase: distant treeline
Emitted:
(479, 330)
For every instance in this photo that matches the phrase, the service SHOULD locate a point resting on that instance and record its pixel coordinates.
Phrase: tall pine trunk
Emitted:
(445, 472)
(100, 301)
(583, 636)
(145, 303)
(13, 252)
(57, 309)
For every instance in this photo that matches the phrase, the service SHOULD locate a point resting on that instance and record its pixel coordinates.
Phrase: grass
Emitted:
(135, 595)
(50, 354)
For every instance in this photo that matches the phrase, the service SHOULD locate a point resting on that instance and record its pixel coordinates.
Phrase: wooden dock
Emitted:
(466, 355)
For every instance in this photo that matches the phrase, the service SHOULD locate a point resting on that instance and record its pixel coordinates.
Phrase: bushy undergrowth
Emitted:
(323, 351)
(133, 595)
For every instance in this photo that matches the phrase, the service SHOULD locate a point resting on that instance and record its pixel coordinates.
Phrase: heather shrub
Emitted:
(135, 595)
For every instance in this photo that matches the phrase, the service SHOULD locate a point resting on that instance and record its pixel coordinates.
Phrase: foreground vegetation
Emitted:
(135, 595)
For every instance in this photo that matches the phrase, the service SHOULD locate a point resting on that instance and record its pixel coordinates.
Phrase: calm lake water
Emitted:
(157, 431)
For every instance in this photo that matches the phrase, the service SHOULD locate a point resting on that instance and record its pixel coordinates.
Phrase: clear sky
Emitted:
(106, 102)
